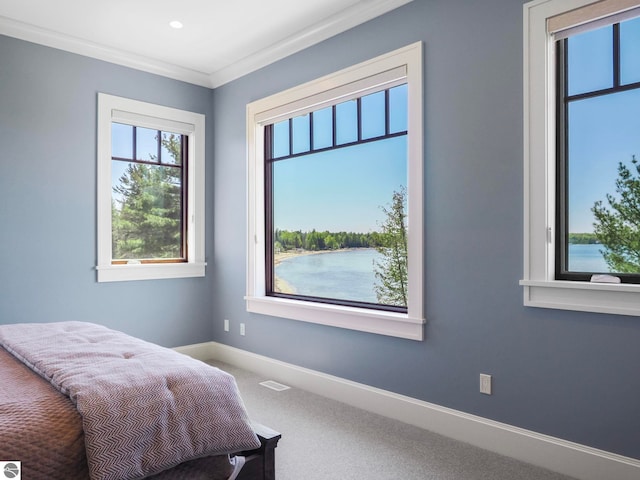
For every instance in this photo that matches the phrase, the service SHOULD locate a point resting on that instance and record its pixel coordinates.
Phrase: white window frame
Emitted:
(142, 114)
(352, 82)
(540, 287)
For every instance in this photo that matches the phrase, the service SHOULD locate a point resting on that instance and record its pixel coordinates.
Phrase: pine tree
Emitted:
(146, 217)
(391, 270)
(618, 227)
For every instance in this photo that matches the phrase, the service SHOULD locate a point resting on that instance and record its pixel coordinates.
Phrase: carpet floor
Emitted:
(323, 439)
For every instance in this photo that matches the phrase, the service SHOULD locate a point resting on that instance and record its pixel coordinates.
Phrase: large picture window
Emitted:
(336, 182)
(335, 199)
(150, 191)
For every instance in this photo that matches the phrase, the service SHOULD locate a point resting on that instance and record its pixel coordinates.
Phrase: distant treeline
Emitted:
(583, 238)
(314, 240)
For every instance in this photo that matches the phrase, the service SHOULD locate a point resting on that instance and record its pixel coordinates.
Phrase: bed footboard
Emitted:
(260, 463)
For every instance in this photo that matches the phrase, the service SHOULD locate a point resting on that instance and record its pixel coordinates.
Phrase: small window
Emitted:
(151, 221)
(148, 195)
(336, 199)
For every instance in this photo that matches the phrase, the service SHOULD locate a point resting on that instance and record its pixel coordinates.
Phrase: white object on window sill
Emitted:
(604, 279)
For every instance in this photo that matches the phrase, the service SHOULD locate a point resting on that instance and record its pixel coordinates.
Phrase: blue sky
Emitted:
(341, 189)
(603, 131)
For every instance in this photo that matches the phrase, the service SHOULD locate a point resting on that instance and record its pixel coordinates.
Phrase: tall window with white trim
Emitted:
(582, 177)
(150, 191)
(598, 100)
(336, 182)
(335, 186)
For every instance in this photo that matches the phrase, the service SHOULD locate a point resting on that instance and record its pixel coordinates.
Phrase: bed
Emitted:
(81, 401)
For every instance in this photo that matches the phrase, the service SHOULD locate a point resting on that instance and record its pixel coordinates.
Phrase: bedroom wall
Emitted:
(567, 374)
(48, 198)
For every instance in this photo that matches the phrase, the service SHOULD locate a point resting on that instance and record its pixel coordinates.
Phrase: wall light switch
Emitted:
(242, 329)
(226, 325)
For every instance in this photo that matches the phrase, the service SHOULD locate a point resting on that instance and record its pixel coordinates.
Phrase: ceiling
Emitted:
(220, 39)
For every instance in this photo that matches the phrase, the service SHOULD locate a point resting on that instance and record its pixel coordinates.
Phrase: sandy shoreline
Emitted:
(281, 285)
(279, 257)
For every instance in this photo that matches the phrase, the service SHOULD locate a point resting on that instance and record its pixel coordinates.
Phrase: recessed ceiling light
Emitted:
(175, 24)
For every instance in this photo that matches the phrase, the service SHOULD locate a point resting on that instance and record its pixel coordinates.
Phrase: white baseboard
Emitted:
(201, 351)
(568, 458)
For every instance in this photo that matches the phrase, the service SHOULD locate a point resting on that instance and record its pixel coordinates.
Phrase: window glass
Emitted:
(171, 148)
(602, 136)
(121, 140)
(323, 128)
(373, 115)
(629, 51)
(599, 216)
(398, 109)
(301, 139)
(347, 122)
(590, 59)
(147, 200)
(281, 139)
(146, 144)
(338, 228)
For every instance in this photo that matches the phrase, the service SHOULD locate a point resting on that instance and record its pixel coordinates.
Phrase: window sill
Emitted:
(618, 299)
(361, 319)
(123, 273)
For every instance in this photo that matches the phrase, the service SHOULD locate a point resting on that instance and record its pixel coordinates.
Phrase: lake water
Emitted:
(349, 275)
(586, 258)
(345, 275)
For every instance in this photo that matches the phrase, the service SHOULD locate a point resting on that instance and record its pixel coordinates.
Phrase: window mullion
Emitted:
(359, 117)
(134, 154)
(311, 132)
(387, 121)
(334, 128)
(159, 146)
(616, 55)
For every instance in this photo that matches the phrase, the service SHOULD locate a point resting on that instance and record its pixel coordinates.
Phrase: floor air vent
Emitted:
(278, 387)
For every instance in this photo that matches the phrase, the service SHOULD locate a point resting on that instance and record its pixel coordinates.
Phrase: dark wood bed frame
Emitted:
(260, 463)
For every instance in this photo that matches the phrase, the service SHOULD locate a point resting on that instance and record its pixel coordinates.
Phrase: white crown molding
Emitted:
(323, 30)
(569, 458)
(334, 25)
(49, 38)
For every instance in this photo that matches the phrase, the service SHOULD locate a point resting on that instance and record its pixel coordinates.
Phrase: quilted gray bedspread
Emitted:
(144, 408)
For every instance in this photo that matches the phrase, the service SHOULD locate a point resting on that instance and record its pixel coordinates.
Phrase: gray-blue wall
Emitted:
(48, 249)
(567, 374)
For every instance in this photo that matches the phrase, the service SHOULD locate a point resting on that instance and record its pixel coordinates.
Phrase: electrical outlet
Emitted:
(226, 325)
(485, 384)
(242, 331)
